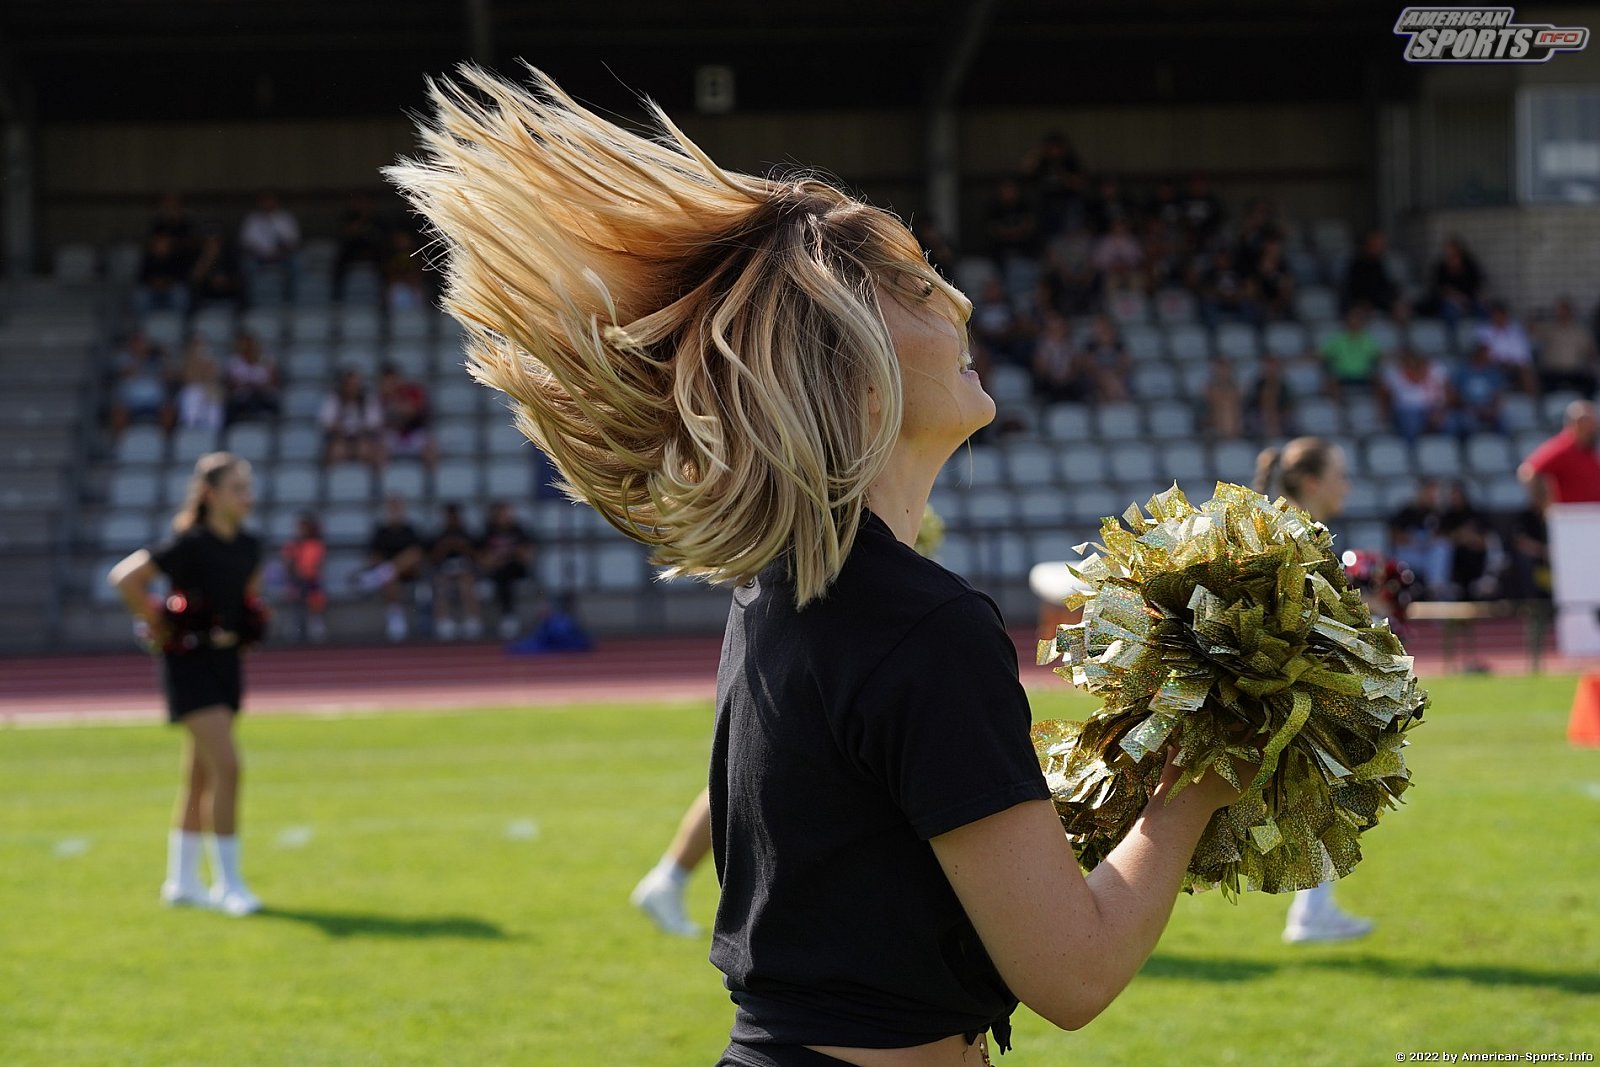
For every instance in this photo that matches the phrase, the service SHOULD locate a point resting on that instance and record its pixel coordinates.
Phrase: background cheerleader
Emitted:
(214, 568)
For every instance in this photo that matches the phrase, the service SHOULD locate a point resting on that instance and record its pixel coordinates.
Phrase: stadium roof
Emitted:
(131, 60)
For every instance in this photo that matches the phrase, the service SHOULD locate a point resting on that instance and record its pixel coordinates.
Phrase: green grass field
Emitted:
(450, 889)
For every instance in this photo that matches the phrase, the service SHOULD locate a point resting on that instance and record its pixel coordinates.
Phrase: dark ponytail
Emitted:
(1283, 471)
(209, 470)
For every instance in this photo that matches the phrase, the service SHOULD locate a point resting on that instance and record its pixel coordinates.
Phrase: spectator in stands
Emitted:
(303, 556)
(173, 220)
(142, 391)
(1568, 356)
(997, 326)
(1106, 359)
(1054, 179)
(1352, 356)
(202, 401)
(1269, 407)
(1473, 545)
(1256, 230)
(505, 557)
(1224, 296)
(1529, 571)
(1566, 463)
(362, 240)
(252, 380)
(1118, 258)
(1109, 206)
(269, 240)
(352, 423)
(1068, 283)
(1415, 538)
(1415, 391)
(1366, 279)
(214, 278)
(1164, 261)
(407, 417)
(404, 283)
(1202, 212)
(395, 557)
(163, 276)
(1060, 372)
(1269, 285)
(1224, 403)
(1010, 224)
(1509, 346)
(1454, 284)
(1476, 392)
(1165, 208)
(455, 575)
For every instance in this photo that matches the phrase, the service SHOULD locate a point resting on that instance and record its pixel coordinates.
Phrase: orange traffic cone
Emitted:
(1584, 726)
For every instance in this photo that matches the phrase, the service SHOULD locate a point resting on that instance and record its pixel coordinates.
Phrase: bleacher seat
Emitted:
(1054, 545)
(1134, 463)
(1234, 461)
(1385, 333)
(949, 504)
(1082, 462)
(407, 479)
(310, 324)
(504, 439)
(1503, 493)
(191, 442)
(509, 476)
(1189, 343)
(302, 400)
(1091, 503)
(1388, 456)
(1318, 416)
(413, 358)
(362, 284)
(1438, 456)
(348, 483)
(1007, 555)
(956, 554)
(457, 436)
(1364, 500)
(1043, 506)
(278, 525)
(175, 485)
(76, 264)
(1128, 306)
(1030, 463)
(1169, 419)
(299, 441)
(410, 323)
(134, 487)
(619, 566)
(458, 479)
(991, 506)
(1316, 303)
(140, 444)
(1519, 412)
(309, 362)
(1363, 415)
(1068, 422)
(1008, 384)
(1187, 465)
(124, 531)
(1119, 421)
(347, 524)
(216, 325)
(358, 322)
(1156, 381)
(1490, 453)
(123, 261)
(1553, 406)
(458, 396)
(164, 328)
(266, 324)
(360, 355)
(1430, 337)
(1367, 536)
(1332, 234)
(1195, 378)
(979, 465)
(1144, 343)
(1238, 341)
(295, 484)
(339, 569)
(1397, 492)
(1286, 340)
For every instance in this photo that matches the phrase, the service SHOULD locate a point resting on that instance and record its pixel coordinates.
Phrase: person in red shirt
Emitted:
(1567, 462)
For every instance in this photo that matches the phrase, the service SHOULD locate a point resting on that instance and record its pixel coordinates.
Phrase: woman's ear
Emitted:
(874, 402)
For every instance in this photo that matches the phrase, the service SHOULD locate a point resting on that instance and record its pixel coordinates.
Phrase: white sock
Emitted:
(225, 860)
(668, 868)
(183, 857)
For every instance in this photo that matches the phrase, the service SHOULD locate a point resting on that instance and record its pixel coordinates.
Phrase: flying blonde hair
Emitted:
(694, 348)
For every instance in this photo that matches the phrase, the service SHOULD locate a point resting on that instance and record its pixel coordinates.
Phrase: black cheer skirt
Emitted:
(201, 678)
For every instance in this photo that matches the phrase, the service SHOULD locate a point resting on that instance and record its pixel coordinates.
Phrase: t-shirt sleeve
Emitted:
(1547, 456)
(174, 556)
(943, 721)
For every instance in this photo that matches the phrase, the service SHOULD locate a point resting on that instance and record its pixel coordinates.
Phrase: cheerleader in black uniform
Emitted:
(212, 612)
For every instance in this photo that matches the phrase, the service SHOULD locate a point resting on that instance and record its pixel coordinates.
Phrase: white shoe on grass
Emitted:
(1331, 925)
(234, 900)
(662, 902)
(181, 895)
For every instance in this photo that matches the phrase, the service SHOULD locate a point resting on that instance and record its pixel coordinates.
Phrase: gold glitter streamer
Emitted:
(1227, 632)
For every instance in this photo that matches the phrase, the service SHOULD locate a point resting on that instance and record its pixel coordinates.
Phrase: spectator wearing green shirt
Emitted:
(1352, 355)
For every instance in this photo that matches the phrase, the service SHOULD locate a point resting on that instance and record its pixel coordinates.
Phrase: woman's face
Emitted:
(1324, 494)
(944, 402)
(232, 497)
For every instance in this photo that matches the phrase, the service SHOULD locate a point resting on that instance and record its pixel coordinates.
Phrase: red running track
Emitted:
(444, 676)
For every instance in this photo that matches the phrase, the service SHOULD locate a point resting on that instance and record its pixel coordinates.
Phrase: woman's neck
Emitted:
(899, 496)
(223, 527)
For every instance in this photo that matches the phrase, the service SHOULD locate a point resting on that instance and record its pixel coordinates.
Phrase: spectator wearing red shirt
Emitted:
(1567, 462)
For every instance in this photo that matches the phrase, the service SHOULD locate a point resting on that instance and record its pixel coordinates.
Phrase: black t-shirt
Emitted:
(848, 735)
(210, 571)
(392, 538)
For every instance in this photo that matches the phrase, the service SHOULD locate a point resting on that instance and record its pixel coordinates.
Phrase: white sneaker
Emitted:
(662, 902)
(179, 895)
(234, 900)
(1331, 925)
(395, 626)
